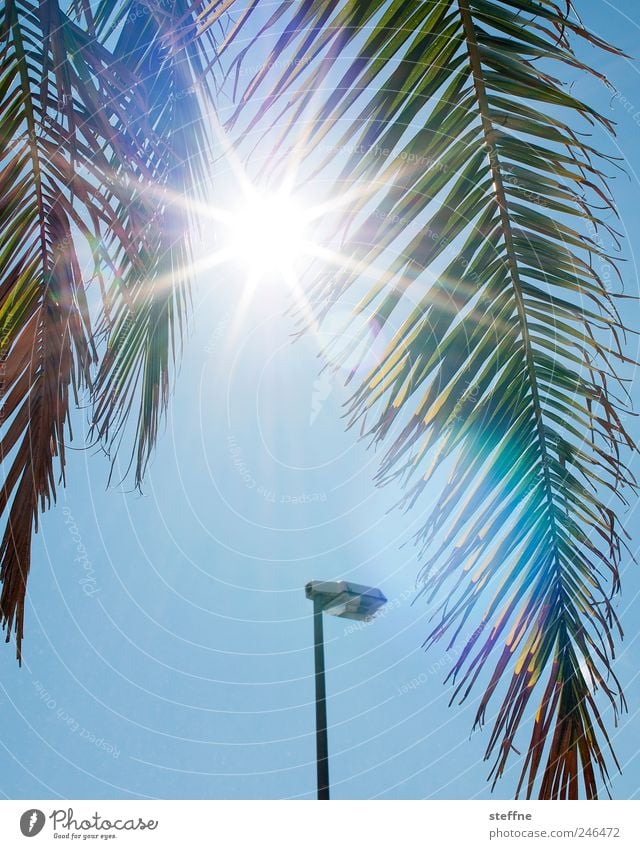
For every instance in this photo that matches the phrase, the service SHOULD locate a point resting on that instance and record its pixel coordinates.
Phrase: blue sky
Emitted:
(168, 647)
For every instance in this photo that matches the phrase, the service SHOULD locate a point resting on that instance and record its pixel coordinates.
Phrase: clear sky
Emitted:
(168, 647)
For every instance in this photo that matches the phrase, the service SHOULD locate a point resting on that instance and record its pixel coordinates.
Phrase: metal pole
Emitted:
(322, 750)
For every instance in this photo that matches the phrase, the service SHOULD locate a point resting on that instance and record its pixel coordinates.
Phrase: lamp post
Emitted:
(349, 601)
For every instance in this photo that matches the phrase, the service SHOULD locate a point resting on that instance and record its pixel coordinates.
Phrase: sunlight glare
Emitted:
(267, 234)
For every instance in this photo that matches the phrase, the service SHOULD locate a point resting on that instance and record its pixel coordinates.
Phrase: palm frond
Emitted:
(109, 146)
(170, 49)
(44, 336)
(64, 102)
(501, 365)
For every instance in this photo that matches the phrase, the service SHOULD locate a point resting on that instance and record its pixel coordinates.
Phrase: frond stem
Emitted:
(489, 131)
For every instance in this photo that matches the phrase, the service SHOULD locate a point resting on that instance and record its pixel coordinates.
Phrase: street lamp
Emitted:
(350, 601)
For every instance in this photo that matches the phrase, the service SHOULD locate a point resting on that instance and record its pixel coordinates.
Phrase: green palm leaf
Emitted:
(501, 336)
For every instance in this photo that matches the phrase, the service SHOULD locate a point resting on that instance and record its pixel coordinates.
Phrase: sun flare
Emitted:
(268, 233)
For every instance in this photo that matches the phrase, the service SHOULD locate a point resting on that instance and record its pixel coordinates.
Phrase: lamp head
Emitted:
(344, 599)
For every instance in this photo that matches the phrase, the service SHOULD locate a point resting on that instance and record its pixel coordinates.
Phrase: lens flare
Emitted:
(267, 233)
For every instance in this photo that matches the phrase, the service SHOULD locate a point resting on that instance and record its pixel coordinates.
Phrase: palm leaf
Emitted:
(170, 49)
(45, 338)
(502, 339)
(73, 154)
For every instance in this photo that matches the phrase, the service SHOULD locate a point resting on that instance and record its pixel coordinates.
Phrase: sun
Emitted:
(268, 233)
